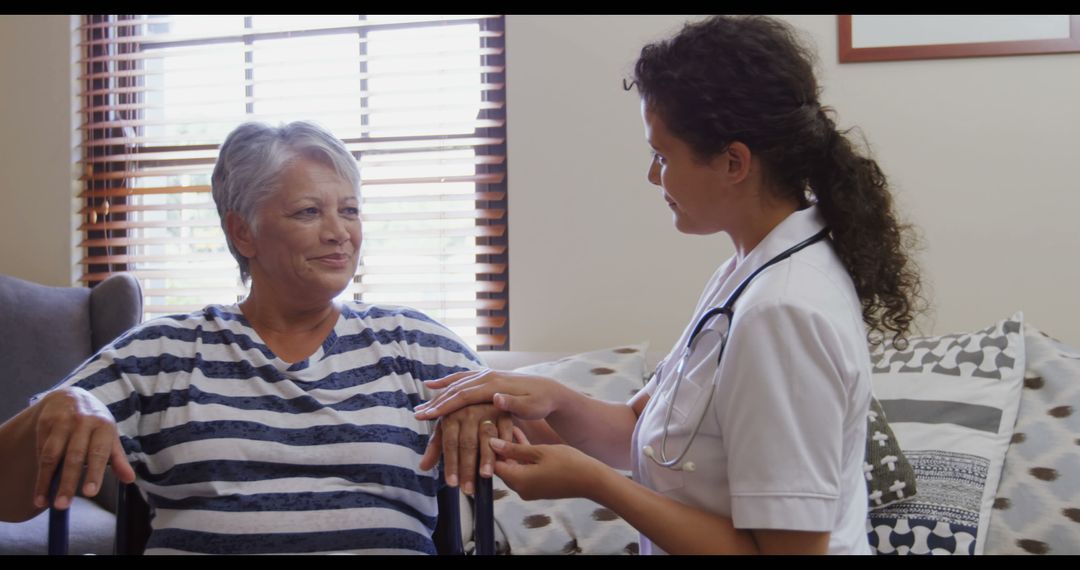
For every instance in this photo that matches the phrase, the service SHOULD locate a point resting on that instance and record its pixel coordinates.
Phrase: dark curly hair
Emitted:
(749, 79)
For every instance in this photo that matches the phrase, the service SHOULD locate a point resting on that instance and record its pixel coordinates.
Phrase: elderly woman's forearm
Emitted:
(17, 447)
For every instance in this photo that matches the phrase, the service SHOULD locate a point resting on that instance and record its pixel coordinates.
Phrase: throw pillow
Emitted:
(952, 401)
(1037, 508)
(889, 476)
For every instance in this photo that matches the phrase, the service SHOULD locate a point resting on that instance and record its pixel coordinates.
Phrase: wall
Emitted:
(981, 152)
(36, 149)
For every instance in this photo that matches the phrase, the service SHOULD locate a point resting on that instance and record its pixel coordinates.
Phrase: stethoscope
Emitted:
(728, 312)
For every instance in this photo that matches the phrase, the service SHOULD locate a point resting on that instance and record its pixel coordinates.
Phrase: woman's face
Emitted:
(693, 190)
(307, 235)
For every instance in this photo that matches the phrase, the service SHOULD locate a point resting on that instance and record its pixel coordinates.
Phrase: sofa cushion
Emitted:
(952, 402)
(1037, 508)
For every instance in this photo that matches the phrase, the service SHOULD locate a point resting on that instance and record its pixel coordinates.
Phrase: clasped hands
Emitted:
(477, 412)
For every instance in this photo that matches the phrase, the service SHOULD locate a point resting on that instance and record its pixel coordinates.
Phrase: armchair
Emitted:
(50, 331)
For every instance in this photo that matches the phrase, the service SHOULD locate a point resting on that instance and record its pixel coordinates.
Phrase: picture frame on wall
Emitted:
(908, 37)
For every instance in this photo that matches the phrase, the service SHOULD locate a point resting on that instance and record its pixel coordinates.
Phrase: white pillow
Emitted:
(573, 526)
(952, 402)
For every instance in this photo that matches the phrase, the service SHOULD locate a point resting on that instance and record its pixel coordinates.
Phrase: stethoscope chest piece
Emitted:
(687, 466)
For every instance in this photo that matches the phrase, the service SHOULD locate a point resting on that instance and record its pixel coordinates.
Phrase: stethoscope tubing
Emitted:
(727, 309)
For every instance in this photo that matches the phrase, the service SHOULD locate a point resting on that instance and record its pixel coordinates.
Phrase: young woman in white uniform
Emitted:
(753, 445)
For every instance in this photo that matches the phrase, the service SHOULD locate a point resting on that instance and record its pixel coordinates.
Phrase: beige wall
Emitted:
(594, 258)
(36, 148)
(982, 153)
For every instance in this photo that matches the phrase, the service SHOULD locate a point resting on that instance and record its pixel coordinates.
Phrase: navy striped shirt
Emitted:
(238, 451)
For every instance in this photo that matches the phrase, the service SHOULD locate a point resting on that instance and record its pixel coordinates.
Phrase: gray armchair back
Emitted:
(48, 331)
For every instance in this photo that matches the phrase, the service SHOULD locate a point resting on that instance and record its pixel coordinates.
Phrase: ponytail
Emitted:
(853, 196)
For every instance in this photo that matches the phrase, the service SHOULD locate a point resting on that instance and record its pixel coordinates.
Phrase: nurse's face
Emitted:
(694, 190)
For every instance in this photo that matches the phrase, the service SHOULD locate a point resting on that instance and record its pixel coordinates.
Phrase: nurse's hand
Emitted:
(525, 396)
(547, 471)
(462, 435)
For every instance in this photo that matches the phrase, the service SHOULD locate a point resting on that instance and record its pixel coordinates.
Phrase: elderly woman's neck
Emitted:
(287, 316)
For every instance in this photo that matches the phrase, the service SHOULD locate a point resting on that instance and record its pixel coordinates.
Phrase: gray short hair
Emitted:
(251, 161)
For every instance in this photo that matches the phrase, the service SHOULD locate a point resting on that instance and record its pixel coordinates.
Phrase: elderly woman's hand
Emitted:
(462, 435)
(74, 427)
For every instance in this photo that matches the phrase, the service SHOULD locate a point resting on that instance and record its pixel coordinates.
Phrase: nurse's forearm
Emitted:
(673, 526)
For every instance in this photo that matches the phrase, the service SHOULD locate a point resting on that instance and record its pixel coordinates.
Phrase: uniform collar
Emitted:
(798, 226)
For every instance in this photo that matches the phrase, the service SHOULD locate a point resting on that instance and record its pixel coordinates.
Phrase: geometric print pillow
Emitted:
(952, 403)
(1037, 508)
(573, 526)
(889, 477)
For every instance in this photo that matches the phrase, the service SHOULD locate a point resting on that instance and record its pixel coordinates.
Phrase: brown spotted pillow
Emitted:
(573, 526)
(1037, 507)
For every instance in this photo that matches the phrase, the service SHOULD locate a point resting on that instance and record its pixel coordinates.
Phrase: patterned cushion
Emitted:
(889, 476)
(1037, 509)
(573, 526)
(952, 402)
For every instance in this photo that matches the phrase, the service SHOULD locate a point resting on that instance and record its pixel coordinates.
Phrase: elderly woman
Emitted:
(283, 423)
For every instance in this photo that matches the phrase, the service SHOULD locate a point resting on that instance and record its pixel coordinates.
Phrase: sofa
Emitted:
(985, 419)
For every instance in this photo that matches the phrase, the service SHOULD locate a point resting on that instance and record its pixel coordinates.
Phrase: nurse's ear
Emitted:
(734, 163)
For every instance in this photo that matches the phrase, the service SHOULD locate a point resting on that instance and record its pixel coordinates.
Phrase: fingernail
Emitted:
(485, 470)
(40, 501)
(468, 488)
(62, 502)
(91, 488)
(452, 480)
(497, 443)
